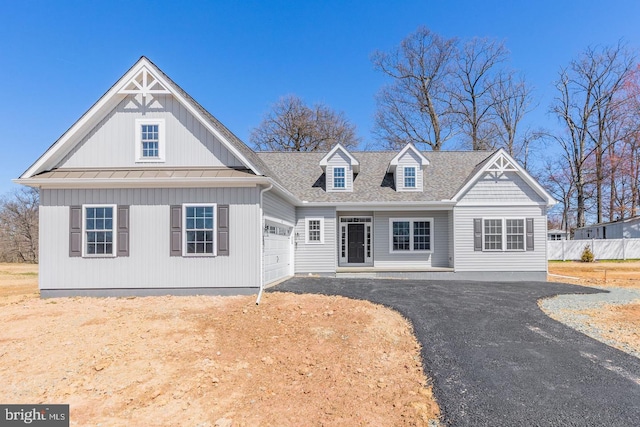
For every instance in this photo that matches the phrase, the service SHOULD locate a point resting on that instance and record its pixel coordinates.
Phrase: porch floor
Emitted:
(370, 269)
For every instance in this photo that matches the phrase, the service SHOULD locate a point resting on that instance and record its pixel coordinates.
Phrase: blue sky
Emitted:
(237, 58)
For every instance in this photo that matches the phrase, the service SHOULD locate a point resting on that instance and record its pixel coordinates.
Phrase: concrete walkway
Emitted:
(496, 359)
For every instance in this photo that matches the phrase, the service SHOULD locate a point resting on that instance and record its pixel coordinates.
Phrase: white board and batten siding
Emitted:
(315, 257)
(505, 196)
(275, 207)
(339, 160)
(111, 143)
(149, 264)
(439, 255)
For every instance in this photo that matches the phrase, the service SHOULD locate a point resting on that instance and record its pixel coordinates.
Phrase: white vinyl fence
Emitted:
(602, 249)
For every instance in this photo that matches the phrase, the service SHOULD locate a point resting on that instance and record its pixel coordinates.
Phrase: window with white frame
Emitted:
(409, 177)
(150, 143)
(199, 229)
(314, 230)
(99, 230)
(504, 234)
(338, 177)
(410, 234)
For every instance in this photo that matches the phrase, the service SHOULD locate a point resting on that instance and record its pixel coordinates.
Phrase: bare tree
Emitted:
(19, 226)
(584, 106)
(416, 107)
(559, 182)
(291, 125)
(512, 99)
(479, 87)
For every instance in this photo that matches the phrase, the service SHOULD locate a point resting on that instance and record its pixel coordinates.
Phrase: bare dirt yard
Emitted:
(621, 323)
(205, 361)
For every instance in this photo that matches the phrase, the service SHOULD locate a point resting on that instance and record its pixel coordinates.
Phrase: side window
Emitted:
(314, 230)
(199, 229)
(98, 231)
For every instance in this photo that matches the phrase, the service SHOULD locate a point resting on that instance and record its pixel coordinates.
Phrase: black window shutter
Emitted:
(223, 230)
(176, 231)
(123, 231)
(477, 234)
(529, 234)
(75, 231)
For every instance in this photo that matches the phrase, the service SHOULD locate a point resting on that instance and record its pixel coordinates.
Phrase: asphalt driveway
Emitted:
(496, 359)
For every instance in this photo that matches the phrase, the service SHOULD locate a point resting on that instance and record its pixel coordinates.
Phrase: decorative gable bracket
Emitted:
(500, 166)
(144, 83)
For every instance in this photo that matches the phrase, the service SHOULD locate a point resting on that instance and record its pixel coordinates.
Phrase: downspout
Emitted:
(261, 229)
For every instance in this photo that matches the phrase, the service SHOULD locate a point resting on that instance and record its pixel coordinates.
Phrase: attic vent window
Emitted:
(150, 144)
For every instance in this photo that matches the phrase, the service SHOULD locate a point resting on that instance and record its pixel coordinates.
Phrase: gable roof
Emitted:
(127, 84)
(301, 174)
(355, 164)
(500, 162)
(394, 162)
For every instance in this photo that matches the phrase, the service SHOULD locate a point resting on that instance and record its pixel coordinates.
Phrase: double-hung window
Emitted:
(314, 230)
(338, 177)
(99, 230)
(409, 177)
(410, 234)
(150, 140)
(199, 229)
(505, 234)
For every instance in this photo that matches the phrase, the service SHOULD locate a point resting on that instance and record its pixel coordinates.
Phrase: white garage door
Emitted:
(277, 252)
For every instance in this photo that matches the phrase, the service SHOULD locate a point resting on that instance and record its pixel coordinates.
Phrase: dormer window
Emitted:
(338, 177)
(150, 144)
(407, 168)
(339, 167)
(409, 177)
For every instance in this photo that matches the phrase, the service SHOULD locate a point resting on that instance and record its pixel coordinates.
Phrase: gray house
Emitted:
(628, 228)
(147, 193)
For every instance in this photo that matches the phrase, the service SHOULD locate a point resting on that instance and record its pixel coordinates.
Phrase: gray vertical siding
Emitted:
(439, 257)
(276, 207)
(149, 264)
(111, 143)
(316, 258)
(509, 187)
(466, 259)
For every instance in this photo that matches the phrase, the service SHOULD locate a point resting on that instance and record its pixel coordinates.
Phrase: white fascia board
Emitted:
(206, 123)
(549, 200)
(355, 164)
(142, 182)
(394, 162)
(386, 206)
(59, 148)
(111, 98)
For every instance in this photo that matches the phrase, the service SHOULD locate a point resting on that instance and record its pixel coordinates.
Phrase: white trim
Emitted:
(306, 231)
(394, 162)
(355, 164)
(184, 229)
(108, 101)
(344, 261)
(405, 187)
(344, 178)
(114, 232)
(411, 221)
(504, 234)
(501, 155)
(161, 140)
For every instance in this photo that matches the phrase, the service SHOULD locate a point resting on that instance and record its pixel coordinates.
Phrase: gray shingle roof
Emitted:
(301, 174)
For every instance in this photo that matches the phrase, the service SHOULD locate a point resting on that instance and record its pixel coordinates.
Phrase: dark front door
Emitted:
(356, 243)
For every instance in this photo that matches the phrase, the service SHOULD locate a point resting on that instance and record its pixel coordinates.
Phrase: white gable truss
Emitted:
(143, 78)
(497, 165)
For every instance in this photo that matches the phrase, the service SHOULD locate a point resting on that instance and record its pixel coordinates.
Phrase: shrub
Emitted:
(587, 255)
